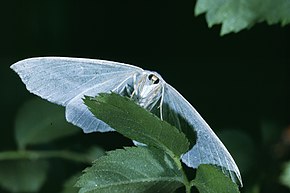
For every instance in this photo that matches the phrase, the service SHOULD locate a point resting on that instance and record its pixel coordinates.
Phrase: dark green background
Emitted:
(237, 82)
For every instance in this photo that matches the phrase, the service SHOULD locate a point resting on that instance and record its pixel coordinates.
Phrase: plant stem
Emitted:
(187, 189)
(186, 182)
(185, 179)
(26, 154)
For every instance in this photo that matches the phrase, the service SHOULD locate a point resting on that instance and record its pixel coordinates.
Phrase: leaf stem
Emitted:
(186, 182)
(28, 154)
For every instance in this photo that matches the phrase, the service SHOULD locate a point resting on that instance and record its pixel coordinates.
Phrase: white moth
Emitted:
(65, 81)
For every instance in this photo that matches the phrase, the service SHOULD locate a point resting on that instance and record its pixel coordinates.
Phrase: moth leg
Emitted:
(161, 103)
(138, 85)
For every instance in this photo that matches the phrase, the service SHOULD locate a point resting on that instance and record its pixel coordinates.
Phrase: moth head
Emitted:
(147, 89)
(153, 78)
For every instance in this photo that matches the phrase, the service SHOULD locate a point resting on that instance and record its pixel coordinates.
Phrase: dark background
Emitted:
(239, 82)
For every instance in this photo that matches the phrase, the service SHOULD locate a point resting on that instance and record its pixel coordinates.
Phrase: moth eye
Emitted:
(154, 79)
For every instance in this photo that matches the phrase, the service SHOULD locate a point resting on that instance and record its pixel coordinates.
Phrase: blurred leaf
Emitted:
(235, 15)
(39, 121)
(256, 188)
(94, 153)
(134, 169)
(64, 154)
(137, 123)
(23, 175)
(69, 185)
(285, 177)
(271, 131)
(210, 179)
(234, 140)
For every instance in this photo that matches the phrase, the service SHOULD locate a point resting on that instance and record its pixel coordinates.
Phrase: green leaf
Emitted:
(137, 123)
(234, 139)
(39, 121)
(94, 152)
(285, 177)
(134, 169)
(23, 175)
(69, 184)
(210, 179)
(235, 15)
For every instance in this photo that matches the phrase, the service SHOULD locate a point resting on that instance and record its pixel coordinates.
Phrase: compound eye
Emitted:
(154, 79)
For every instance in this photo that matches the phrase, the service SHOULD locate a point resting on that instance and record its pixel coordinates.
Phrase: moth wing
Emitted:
(65, 81)
(208, 148)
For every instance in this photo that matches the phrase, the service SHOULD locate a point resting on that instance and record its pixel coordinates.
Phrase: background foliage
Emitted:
(238, 82)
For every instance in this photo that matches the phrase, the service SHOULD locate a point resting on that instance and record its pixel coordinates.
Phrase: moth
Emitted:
(65, 81)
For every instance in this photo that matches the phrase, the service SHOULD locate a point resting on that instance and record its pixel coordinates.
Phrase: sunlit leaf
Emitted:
(235, 15)
(39, 121)
(23, 175)
(285, 177)
(134, 169)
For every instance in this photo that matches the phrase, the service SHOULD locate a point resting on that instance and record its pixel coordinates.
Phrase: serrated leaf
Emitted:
(134, 169)
(39, 122)
(285, 177)
(210, 179)
(23, 175)
(137, 123)
(235, 15)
